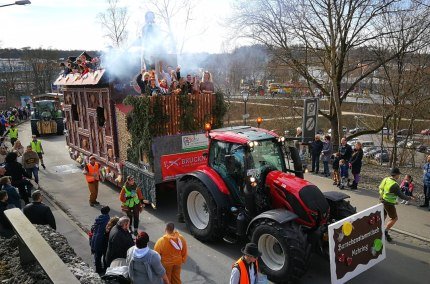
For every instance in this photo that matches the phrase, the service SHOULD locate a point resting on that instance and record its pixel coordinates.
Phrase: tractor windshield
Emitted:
(45, 106)
(267, 153)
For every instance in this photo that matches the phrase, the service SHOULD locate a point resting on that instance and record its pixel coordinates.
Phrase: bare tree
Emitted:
(339, 37)
(114, 20)
(174, 13)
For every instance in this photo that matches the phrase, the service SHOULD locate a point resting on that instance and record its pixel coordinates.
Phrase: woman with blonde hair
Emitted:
(18, 149)
(207, 86)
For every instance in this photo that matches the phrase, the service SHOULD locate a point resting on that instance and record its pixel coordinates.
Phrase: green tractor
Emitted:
(47, 118)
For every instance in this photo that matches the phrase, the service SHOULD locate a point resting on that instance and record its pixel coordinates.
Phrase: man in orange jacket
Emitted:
(92, 174)
(245, 270)
(172, 248)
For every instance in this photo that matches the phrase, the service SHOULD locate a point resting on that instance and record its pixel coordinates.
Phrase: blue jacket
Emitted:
(344, 170)
(13, 196)
(98, 241)
(426, 176)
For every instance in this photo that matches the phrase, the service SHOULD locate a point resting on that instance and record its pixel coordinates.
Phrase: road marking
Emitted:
(67, 169)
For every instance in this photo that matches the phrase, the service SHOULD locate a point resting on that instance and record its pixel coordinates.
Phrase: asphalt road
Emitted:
(408, 260)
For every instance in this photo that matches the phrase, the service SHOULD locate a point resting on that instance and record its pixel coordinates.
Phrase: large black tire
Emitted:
(200, 211)
(340, 210)
(285, 250)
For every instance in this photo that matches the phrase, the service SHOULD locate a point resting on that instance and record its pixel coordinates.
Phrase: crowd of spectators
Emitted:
(170, 82)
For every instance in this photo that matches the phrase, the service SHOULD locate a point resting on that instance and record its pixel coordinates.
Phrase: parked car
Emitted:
(425, 132)
(372, 154)
(367, 144)
(413, 144)
(352, 142)
(401, 144)
(357, 129)
(386, 131)
(383, 157)
(404, 132)
(370, 148)
(422, 148)
(344, 129)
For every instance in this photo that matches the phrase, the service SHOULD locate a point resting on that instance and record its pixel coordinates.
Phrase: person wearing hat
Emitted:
(132, 201)
(92, 175)
(98, 241)
(389, 190)
(38, 213)
(245, 269)
(12, 192)
(144, 264)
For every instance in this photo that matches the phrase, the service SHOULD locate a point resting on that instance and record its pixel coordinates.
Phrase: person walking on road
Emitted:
(12, 134)
(144, 264)
(355, 164)
(30, 162)
(98, 239)
(172, 248)
(36, 145)
(426, 183)
(120, 241)
(246, 268)
(12, 192)
(317, 147)
(389, 190)
(92, 174)
(38, 213)
(327, 151)
(132, 202)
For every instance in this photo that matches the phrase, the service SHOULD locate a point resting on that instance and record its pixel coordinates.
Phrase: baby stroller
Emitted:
(117, 272)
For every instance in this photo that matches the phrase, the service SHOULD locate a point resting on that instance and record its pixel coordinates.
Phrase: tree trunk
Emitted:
(334, 133)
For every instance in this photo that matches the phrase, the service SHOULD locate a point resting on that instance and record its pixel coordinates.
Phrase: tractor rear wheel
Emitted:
(285, 250)
(200, 211)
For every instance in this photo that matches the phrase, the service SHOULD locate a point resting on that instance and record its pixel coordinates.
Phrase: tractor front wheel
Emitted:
(285, 250)
(200, 211)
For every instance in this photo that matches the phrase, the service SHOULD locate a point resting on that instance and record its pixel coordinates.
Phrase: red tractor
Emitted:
(252, 188)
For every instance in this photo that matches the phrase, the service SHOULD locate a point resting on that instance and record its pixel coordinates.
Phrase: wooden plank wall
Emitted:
(171, 108)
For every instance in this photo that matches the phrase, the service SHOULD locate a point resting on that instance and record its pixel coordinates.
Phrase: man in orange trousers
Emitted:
(172, 248)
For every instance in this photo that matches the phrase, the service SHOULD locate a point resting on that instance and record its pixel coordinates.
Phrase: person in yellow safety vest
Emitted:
(36, 145)
(389, 190)
(132, 201)
(11, 119)
(12, 134)
(92, 175)
(245, 269)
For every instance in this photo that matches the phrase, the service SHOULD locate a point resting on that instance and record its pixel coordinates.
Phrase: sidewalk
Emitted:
(412, 219)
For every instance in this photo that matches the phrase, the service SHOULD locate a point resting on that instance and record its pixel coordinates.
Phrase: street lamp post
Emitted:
(245, 96)
(21, 2)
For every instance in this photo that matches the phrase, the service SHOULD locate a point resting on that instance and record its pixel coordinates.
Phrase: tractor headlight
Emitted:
(253, 181)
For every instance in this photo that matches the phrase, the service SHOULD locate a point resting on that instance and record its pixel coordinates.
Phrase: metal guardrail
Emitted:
(33, 248)
(144, 179)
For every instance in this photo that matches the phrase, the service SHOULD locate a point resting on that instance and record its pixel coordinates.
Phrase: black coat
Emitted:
(15, 171)
(13, 196)
(356, 159)
(40, 214)
(345, 152)
(142, 84)
(119, 242)
(317, 147)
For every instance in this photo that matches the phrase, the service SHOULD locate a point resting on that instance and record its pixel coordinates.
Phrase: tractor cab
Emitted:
(46, 110)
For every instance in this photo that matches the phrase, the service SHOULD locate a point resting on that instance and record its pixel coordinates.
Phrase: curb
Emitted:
(411, 235)
(79, 227)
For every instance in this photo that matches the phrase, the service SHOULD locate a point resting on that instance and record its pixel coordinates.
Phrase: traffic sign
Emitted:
(245, 116)
(310, 116)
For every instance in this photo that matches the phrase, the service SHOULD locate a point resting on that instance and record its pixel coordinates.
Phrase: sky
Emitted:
(73, 24)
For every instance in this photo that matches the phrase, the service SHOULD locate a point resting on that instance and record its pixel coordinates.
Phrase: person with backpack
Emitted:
(144, 264)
